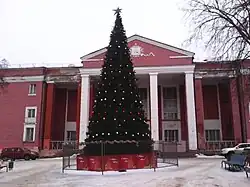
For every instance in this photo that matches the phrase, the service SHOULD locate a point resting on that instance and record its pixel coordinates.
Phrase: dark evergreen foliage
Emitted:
(118, 113)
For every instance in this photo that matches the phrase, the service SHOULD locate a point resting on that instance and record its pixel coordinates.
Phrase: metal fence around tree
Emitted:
(165, 154)
(70, 150)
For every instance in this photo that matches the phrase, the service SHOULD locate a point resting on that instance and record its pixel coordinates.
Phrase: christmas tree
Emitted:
(118, 117)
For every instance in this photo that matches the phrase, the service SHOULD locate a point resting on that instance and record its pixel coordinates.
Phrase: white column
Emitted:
(191, 119)
(84, 112)
(154, 106)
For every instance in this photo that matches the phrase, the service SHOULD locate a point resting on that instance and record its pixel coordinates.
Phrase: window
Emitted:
(144, 98)
(171, 135)
(29, 124)
(31, 113)
(32, 89)
(244, 145)
(212, 135)
(71, 135)
(170, 106)
(29, 134)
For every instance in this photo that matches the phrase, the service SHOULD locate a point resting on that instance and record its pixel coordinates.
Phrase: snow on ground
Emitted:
(24, 169)
(212, 156)
(191, 173)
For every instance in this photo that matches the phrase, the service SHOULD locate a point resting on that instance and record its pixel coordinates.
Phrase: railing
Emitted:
(218, 145)
(211, 146)
(161, 152)
(58, 145)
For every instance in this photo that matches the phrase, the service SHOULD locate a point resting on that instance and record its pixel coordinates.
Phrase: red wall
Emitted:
(48, 115)
(210, 101)
(236, 121)
(246, 92)
(226, 110)
(72, 101)
(22, 72)
(58, 125)
(161, 57)
(199, 105)
(12, 110)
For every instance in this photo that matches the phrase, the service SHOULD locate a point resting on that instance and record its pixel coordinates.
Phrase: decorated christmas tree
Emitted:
(118, 117)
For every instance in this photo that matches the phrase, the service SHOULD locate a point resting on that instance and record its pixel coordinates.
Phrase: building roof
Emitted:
(145, 40)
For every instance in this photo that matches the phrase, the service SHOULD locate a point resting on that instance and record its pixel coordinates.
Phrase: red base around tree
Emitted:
(116, 162)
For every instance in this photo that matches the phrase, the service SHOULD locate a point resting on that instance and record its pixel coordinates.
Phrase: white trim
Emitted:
(31, 107)
(84, 115)
(197, 76)
(24, 79)
(93, 60)
(145, 40)
(26, 118)
(154, 114)
(153, 73)
(50, 82)
(32, 94)
(191, 115)
(174, 57)
(34, 132)
(30, 89)
(146, 70)
(29, 122)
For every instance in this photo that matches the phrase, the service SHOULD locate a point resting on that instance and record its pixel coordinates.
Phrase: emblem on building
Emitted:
(138, 51)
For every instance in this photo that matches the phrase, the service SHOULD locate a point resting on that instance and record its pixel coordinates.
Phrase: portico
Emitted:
(153, 72)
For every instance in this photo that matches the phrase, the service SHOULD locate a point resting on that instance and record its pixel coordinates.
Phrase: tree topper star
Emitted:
(117, 11)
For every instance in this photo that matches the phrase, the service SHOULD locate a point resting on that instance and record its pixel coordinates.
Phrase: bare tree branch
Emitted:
(3, 65)
(222, 25)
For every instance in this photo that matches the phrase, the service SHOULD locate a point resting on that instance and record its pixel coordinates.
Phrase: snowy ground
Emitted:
(212, 156)
(205, 172)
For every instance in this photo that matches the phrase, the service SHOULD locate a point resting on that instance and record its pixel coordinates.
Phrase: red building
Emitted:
(196, 104)
(21, 106)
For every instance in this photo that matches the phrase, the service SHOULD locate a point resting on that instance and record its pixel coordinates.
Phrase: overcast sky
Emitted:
(61, 31)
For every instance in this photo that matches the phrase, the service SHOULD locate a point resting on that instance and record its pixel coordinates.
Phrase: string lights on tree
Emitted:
(118, 113)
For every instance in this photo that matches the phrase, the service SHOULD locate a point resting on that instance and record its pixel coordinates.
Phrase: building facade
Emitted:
(198, 105)
(21, 105)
